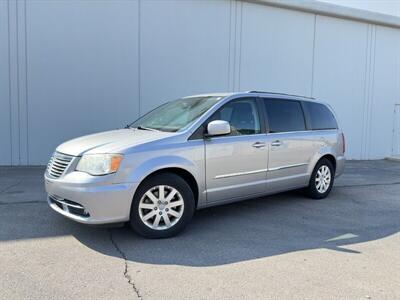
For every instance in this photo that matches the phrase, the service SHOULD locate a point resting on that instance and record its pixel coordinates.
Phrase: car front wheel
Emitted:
(162, 206)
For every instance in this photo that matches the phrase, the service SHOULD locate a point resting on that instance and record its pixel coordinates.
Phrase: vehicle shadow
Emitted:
(265, 227)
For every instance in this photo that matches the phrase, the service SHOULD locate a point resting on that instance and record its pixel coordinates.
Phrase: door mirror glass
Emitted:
(218, 127)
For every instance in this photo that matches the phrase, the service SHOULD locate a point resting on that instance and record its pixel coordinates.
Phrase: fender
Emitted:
(144, 169)
(322, 152)
(152, 165)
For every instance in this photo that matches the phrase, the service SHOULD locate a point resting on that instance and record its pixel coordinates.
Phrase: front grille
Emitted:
(58, 163)
(69, 206)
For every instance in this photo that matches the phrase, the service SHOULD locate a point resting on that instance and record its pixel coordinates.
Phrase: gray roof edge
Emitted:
(333, 10)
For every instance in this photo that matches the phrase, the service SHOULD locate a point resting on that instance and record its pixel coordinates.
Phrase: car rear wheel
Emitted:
(321, 180)
(162, 206)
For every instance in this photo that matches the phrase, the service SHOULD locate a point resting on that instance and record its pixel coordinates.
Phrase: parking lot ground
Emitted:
(284, 246)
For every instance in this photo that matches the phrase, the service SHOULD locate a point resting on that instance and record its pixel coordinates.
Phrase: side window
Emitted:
(284, 115)
(320, 116)
(242, 115)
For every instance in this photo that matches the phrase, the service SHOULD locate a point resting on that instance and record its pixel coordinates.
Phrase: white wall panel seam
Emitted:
(26, 84)
(365, 93)
(13, 77)
(139, 59)
(22, 83)
(9, 81)
(371, 100)
(313, 57)
(369, 91)
(230, 47)
(368, 100)
(237, 44)
(240, 44)
(234, 49)
(17, 80)
(366, 90)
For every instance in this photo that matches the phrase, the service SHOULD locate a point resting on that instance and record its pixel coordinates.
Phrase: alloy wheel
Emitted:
(323, 179)
(161, 207)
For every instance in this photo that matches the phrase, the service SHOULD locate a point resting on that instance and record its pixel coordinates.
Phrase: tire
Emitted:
(316, 191)
(153, 216)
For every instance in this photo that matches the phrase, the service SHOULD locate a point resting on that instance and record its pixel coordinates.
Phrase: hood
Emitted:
(114, 141)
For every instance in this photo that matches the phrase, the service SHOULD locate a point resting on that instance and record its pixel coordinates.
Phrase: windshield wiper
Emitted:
(147, 128)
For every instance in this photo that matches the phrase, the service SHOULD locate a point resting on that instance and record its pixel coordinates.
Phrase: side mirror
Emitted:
(218, 127)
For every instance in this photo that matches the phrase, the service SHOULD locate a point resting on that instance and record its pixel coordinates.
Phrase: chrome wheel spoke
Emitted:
(173, 213)
(149, 215)
(161, 192)
(171, 195)
(175, 203)
(146, 206)
(151, 196)
(157, 220)
(167, 221)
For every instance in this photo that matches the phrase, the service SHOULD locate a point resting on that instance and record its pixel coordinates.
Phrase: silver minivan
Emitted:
(196, 152)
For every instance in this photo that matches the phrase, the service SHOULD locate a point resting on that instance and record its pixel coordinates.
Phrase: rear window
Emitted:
(320, 116)
(284, 115)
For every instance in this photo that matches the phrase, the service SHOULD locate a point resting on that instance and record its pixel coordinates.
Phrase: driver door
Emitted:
(236, 164)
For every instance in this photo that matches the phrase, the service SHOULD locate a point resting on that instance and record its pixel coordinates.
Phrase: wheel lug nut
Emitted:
(160, 213)
(159, 202)
(155, 208)
(166, 209)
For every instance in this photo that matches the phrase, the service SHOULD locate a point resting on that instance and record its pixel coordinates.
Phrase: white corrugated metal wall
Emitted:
(69, 68)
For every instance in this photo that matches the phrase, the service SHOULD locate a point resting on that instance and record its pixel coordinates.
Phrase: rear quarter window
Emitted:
(284, 115)
(320, 117)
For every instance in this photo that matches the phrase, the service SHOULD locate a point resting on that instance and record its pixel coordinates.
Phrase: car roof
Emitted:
(210, 95)
(283, 95)
(257, 93)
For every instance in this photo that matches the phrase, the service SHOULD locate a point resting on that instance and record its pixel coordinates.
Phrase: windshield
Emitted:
(175, 115)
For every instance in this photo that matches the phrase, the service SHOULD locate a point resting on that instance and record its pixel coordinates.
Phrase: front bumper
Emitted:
(90, 202)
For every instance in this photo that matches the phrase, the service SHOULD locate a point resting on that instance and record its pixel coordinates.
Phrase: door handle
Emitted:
(259, 145)
(276, 143)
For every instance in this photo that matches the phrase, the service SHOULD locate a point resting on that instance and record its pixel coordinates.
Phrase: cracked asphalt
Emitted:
(278, 247)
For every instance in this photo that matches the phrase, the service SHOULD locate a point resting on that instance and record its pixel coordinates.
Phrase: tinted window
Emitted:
(242, 115)
(320, 116)
(284, 115)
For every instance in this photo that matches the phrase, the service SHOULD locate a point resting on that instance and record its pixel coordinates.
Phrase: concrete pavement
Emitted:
(284, 246)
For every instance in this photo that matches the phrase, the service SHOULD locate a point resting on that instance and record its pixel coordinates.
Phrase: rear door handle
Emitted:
(259, 145)
(276, 143)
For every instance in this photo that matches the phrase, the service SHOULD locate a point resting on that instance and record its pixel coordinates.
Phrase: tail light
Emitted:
(343, 143)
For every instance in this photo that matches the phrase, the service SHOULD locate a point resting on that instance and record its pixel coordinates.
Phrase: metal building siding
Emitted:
(70, 68)
(5, 109)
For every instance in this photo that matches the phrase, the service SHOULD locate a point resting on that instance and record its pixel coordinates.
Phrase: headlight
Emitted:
(99, 164)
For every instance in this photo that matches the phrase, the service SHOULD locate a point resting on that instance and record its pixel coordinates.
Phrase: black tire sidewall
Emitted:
(312, 188)
(174, 181)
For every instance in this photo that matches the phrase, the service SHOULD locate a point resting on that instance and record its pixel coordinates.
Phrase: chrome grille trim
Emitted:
(58, 164)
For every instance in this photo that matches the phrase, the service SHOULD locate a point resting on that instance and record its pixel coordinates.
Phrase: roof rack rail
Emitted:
(283, 94)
